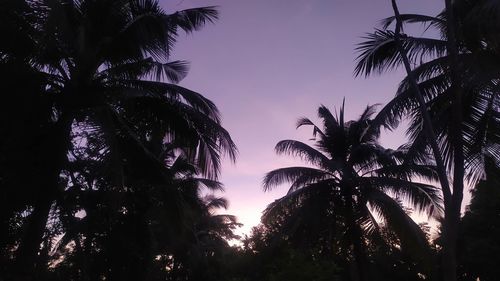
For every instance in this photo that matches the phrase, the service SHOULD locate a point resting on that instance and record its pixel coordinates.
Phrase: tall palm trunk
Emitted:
(432, 138)
(53, 159)
(428, 127)
(453, 212)
(359, 252)
(27, 253)
(354, 234)
(452, 200)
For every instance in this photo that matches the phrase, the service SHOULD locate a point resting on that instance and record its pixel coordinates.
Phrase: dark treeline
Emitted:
(107, 164)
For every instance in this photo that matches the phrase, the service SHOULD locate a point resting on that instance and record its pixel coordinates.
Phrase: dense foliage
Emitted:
(114, 154)
(109, 168)
(480, 229)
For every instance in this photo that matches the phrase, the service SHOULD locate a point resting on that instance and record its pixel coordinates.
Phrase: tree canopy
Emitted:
(110, 169)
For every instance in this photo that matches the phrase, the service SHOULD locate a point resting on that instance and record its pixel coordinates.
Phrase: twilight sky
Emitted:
(266, 63)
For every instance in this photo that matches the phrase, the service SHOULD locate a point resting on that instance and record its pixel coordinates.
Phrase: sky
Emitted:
(266, 63)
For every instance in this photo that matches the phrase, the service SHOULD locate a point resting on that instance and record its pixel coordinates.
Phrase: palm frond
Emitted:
(190, 20)
(307, 122)
(408, 171)
(140, 88)
(329, 120)
(211, 185)
(367, 114)
(437, 22)
(424, 198)
(412, 238)
(173, 71)
(304, 151)
(379, 53)
(215, 203)
(291, 174)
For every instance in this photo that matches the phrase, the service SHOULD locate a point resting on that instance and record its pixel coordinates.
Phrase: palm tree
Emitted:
(202, 258)
(351, 180)
(461, 98)
(105, 64)
(134, 233)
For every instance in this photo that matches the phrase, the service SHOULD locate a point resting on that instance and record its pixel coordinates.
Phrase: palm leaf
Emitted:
(412, 238)
(437, 22)
(423, 197)
(304, 151)
(291, 174)
(379, 52)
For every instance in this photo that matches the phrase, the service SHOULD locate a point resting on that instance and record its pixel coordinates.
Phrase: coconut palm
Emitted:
(159, 219)
(106, 64)
(480, 110)
(351, 180)
(461, 99)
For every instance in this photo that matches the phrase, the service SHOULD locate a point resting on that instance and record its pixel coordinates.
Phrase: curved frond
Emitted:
(173, 71)
(170, 92)
(379, 53)
(212, 203)
(307, 122)
(424, 198)
(193, 19)
(408, 171)
(211, 185)
(304, 151)
(437, 22)
(412, 238)
(291, 174)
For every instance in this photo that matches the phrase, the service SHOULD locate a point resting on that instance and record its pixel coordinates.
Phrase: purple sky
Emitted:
(266, 63)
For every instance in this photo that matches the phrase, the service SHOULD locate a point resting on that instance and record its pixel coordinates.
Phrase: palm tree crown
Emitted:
(478, 52)
(350, 181)
(109, 61)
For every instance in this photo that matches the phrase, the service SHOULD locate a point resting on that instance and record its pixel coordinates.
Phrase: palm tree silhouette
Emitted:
(124, 230)
(457, 80)
(105, 64)
(351, 180)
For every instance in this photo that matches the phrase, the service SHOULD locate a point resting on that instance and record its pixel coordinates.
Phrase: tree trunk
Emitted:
(52, 159)
(453, 212)
(428, 127)
(452, 200)
(355, 238)
(27, 253)
(360, 253)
